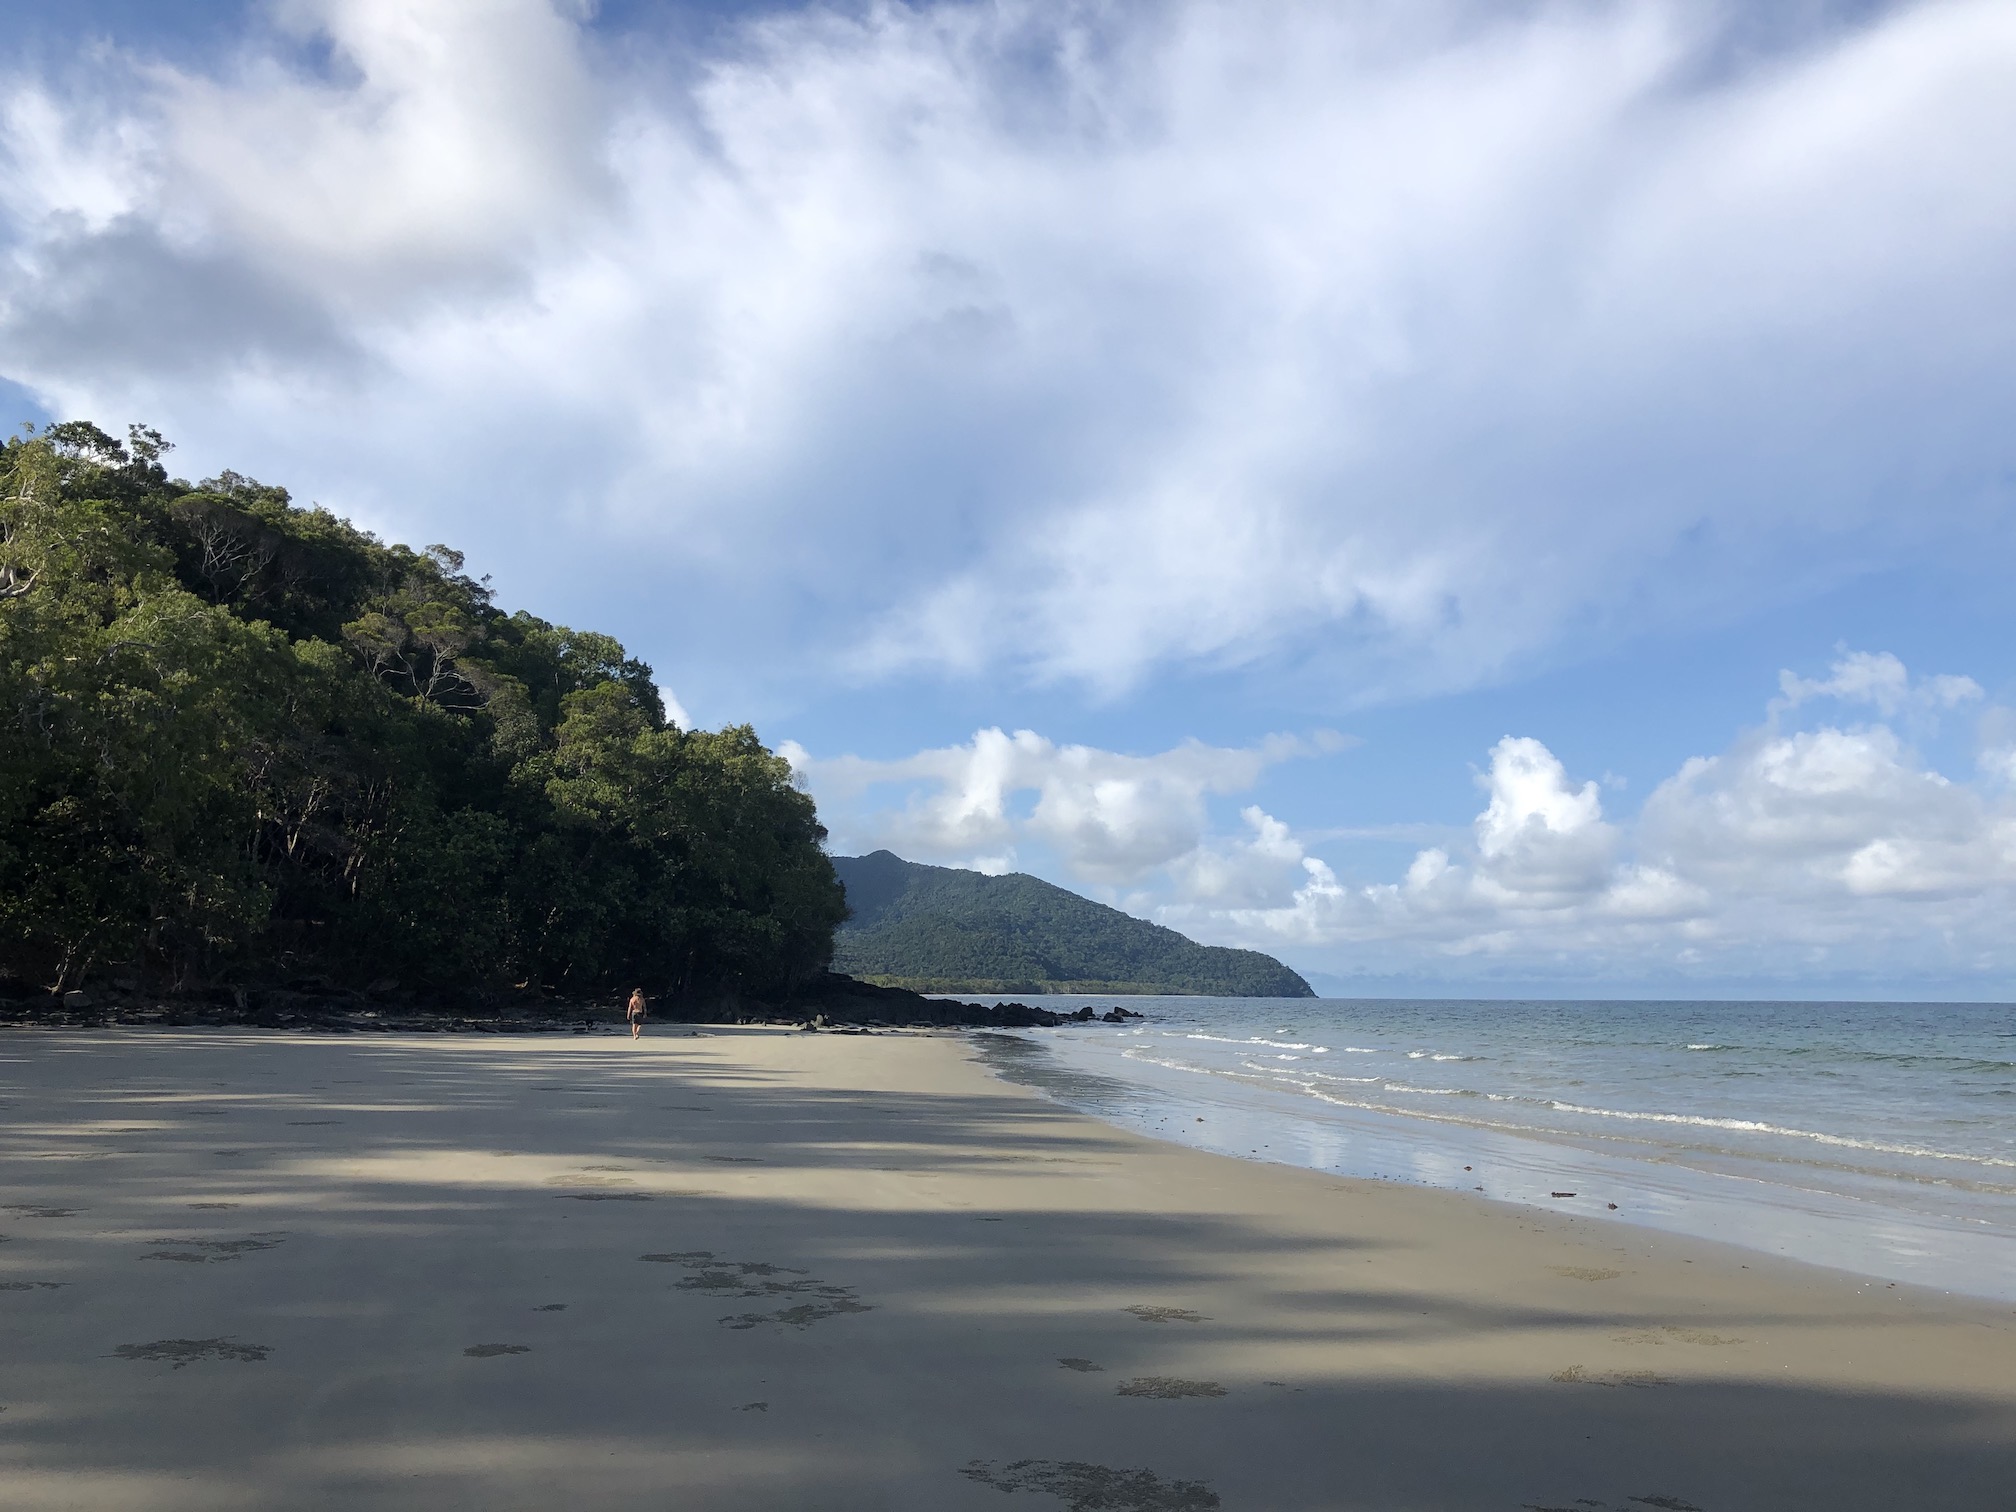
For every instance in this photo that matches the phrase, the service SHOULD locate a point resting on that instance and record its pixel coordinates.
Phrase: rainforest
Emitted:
(245, 741)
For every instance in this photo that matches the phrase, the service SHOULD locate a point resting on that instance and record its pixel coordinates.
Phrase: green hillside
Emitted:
(938, 929)
(243, 742)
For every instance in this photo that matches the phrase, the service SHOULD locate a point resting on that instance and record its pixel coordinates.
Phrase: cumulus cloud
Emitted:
(1542, 858)
(1829, 814)
(1107, 817)
(1827, 847)
(1401, 341)
(1835, 844)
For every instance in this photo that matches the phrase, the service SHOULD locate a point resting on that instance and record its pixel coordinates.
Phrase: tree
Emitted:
(247, 739)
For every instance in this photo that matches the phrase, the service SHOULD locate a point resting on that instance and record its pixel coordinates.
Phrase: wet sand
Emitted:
(761, 1269)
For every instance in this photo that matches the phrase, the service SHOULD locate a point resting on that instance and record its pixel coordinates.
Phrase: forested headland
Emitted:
(941, 929)
(245, 742)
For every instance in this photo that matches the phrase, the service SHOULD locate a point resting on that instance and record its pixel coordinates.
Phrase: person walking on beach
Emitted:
(635, 1012)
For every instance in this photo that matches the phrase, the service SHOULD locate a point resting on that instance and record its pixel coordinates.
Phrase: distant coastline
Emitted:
(942, 929)
(991, 987)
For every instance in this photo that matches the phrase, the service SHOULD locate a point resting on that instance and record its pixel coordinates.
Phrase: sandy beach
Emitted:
(761, 1269)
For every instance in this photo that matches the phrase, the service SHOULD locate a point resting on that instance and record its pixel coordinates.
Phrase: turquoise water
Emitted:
(1878, 1138)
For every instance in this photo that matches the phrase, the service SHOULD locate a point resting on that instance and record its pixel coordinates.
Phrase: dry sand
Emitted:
(766, 1270)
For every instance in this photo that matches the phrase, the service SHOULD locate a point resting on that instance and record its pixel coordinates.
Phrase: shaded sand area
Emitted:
(760, 1269)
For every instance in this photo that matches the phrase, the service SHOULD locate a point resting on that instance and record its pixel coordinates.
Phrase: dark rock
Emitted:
(828, 1002)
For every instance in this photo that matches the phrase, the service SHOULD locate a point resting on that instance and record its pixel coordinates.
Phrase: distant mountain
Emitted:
(938, 929)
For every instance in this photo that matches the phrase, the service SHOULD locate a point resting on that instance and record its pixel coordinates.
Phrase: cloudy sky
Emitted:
(1470, 498)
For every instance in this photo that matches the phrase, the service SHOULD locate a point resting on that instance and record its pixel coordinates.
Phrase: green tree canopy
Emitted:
(246, 739)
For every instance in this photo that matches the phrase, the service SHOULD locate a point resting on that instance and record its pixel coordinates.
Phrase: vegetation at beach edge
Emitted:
(246, 741)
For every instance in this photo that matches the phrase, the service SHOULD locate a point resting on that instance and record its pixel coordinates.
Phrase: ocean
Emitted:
(1877, 1138)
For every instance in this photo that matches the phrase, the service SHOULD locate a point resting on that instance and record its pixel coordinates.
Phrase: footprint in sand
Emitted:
(180, 1352)
(1168, 1388)
(1084, 1487)
(758, 1278)
(1673, 1333)
(1585, 1272)
(1576, 1375)
(210, 1251)
(1149, 1314)
(802, 1316)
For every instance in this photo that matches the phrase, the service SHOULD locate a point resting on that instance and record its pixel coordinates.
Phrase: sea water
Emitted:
(1878, 1138)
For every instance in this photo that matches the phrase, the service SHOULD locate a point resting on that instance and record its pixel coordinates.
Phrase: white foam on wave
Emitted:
(1776, 1144)
(1146, 1059)
(1757, 1126)
(1306, 1082)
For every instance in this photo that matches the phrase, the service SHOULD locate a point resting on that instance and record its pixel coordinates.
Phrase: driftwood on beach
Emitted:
(829, 1001)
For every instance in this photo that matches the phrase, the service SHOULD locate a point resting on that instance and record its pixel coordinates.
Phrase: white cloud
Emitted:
(1881, 680)
(1796, 851)
(1107, 817)
(674, 710)
(460, 134)
(1828, 815)
(1540, 837)
(1837, 843)
(1541, 859)
(1062, 340)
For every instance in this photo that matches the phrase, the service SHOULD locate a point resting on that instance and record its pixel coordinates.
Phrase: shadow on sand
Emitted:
(246, 1270)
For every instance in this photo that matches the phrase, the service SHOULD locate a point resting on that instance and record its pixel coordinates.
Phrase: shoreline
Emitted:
(876, 1277)
(1726, 1207)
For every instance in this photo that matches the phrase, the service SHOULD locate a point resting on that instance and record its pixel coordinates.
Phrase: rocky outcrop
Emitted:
(831, 1001)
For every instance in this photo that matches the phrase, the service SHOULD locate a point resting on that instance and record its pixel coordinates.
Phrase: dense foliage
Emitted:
(936, 929)
(244, 740)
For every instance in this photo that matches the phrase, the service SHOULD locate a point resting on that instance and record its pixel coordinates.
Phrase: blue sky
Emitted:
(1465, 497)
